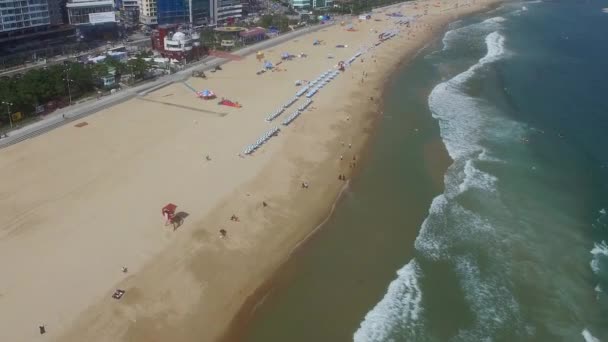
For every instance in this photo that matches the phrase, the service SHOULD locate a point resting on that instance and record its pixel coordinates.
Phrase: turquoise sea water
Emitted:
(513, 246)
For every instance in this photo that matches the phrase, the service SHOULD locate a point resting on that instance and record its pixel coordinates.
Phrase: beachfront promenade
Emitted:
(81, 110)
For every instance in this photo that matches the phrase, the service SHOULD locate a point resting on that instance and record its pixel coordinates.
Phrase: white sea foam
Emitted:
(400, 307)
(491, 301)
(461, 120)
(494, 20)
(474, 178)
(599, 250)
(449, 224)
(459, 115)
(588, 337)
(469, 30)
(426, 241)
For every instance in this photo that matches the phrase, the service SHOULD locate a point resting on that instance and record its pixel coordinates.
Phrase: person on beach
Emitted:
(223, 233)
(264, 204)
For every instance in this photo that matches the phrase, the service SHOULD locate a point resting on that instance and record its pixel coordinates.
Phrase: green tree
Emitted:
(139, 67)
(99, 70)
(209, 39)
(81, 79)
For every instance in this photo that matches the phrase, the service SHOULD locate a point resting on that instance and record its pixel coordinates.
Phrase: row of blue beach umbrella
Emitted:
(290, 102)
(353, 58)
(297, 113)
(275, 114)
(314, 83)
(264, 138)
(322, 82)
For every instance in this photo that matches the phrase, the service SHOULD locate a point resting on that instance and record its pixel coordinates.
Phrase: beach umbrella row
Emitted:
(275, 114)
(264, 138)
(313, 87)
(297, 113)
(354, 57)
(290, 102)
(291, 117)
(305, 105)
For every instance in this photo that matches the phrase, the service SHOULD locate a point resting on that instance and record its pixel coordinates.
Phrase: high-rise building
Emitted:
(201, 12)
(301, 4)
(227, 10)
(86, 12)
(196, 12)
(322, 3)
(129, 12)
(310, 4)
(28, 16)
(147, 12)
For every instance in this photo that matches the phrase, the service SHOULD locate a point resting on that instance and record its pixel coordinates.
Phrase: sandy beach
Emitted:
(80, 203)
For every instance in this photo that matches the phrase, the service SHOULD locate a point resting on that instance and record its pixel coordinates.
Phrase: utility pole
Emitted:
(8, 111)
(67, 78)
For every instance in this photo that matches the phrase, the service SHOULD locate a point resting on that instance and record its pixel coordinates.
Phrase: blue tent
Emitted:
(267, 65)
(206, 94)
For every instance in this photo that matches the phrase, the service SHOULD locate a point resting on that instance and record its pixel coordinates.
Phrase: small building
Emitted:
(174, 44)
(108, 81)
(253, 35)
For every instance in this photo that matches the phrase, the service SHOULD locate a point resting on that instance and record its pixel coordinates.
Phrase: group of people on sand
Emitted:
(224, 232)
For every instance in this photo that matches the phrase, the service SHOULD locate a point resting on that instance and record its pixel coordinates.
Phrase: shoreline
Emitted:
(187, 284)
(242, 319)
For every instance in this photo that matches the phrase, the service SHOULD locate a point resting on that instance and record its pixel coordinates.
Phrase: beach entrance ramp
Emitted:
(189, 87)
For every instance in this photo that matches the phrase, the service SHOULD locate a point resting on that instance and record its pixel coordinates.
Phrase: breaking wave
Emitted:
(400, 305)
(588, 337)
(463, 122)
(599, 252)
(466, 31)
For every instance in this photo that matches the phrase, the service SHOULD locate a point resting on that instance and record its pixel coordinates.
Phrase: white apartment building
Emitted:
(225, 9)
(85, 12)
(147, 12)
(311, 4)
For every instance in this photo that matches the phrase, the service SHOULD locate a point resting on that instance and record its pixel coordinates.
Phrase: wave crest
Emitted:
(400, 305)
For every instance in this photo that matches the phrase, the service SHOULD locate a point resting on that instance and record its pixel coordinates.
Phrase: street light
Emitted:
(8, 111)
(67, 78)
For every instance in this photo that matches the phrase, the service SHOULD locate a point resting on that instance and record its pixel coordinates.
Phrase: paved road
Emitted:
(60, 59)
(78, 111)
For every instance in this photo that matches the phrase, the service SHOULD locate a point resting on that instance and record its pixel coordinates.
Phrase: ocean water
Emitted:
(513, 245)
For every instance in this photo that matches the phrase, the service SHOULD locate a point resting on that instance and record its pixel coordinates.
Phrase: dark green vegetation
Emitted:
(59, 84)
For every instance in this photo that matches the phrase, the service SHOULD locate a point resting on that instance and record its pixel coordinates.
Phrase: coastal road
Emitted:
(81, 110)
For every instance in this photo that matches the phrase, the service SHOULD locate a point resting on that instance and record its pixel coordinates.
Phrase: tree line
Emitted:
(60, 82)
